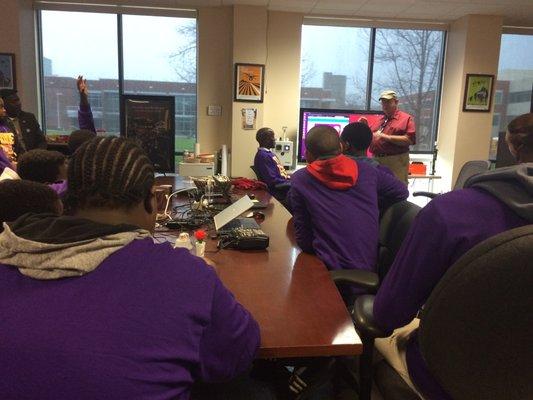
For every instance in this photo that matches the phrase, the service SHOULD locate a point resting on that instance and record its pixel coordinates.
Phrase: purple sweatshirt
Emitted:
(146, 323)
(85, 117)
(269, 168)
(443, 231)
(335, 210)
(60, 188)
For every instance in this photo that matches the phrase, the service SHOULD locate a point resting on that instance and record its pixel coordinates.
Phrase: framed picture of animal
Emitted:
(249, 82)
(478, 92)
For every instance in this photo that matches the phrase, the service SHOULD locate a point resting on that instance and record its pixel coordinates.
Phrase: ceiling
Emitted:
(515, 12)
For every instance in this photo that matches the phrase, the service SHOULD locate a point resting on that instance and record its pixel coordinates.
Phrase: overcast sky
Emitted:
(83, 43)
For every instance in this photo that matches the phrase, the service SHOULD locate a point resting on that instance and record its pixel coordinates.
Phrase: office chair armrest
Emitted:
(282, 187)
(431, 195)
(363, 318)
(356, 277)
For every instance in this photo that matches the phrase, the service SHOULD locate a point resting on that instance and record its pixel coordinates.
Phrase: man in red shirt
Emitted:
(393, 134)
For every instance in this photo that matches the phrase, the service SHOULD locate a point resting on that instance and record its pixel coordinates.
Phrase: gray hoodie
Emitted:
(511, 185)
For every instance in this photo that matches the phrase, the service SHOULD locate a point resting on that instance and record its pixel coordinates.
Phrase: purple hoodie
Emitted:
(85, 117)
(146, 323)
(442, 232)
(335, 210)
(269, 168)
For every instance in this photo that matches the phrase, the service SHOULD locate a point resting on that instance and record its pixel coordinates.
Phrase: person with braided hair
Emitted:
(92, 308)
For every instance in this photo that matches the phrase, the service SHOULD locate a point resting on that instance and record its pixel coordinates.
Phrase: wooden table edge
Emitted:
(311, 351)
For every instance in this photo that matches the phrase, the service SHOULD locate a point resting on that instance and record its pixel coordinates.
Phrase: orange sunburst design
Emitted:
(250, 81)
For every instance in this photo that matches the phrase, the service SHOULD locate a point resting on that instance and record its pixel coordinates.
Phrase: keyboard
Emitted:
(243, 234)
(241, 223)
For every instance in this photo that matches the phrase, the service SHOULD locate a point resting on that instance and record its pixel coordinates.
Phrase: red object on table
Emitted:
(417, 168)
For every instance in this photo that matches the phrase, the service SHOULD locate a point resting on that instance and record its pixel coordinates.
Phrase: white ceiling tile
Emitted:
(436, 10)
(482, 9)
(335, 6)
(304, 6)
(245, 2)
(340, 13)
(375, 13)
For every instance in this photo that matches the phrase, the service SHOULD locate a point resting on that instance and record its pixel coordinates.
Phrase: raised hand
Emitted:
(82, 85)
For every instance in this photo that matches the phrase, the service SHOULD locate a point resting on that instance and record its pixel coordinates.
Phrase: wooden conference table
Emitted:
(289, 293)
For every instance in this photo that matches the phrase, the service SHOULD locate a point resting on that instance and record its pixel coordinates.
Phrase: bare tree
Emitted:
(307, 71)
(410, 63)
(356, 88)
(184, 59)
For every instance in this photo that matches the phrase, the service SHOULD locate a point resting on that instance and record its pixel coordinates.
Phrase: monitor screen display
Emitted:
(338, 119)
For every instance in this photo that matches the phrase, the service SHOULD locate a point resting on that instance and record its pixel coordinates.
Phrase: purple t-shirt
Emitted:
(341, 226)
(443, 231)
(145, 324)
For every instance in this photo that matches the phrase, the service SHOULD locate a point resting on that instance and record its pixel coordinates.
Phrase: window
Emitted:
(408, 62)
(335, 65)
(166, 69)
(515, 81)
(496, 120)
(65, 56)
(498, 97)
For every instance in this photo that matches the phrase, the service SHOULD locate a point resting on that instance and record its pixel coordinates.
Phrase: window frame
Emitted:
(374, 26)
(119, 12)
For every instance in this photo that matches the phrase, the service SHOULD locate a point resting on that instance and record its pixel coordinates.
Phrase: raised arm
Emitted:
(85, 114)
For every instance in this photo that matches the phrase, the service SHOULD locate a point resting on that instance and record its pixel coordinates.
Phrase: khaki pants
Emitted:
(392, 349)
(398, 164)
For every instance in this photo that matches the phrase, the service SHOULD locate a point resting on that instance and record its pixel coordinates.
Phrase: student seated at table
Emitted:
(266, 163)
(443, 231)
(19, 197)
(92, 308)
(44, 166)
(335, 203)
(356, 137)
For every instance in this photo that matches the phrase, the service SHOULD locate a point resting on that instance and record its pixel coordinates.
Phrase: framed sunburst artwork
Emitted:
(249, 82)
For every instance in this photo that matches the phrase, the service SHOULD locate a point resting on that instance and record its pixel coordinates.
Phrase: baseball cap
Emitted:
(388, 94)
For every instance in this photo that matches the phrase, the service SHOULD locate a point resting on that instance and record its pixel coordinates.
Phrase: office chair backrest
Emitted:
(256, 173)
(476, 327)
(393, 227)
(469, 169)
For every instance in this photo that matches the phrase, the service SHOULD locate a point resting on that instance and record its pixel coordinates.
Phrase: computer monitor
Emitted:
(338, 119)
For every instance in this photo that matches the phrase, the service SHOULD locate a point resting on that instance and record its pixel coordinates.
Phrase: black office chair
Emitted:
(468, 170)
(393, 227)
(279, 191)
(475, 329)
